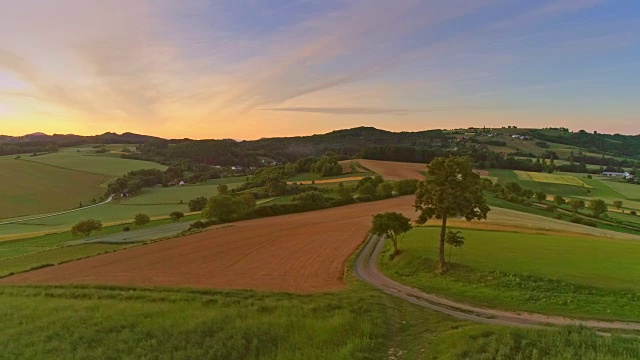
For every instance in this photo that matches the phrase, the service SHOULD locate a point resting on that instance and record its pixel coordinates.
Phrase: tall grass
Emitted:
(96, 323)
(361, 323)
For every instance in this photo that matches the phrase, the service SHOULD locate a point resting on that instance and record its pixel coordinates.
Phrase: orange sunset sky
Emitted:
(251, 69)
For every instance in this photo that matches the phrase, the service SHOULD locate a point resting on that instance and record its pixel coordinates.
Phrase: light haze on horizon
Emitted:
(252, 69)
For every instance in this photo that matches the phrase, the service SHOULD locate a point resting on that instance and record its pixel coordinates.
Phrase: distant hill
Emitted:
(40, 142)
(417, 146)
(63, 140)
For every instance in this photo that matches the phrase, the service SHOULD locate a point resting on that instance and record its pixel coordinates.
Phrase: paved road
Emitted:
(367, 270)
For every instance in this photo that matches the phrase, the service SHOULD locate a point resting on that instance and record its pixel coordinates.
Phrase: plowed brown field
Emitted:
(294, 253)
(391, 170)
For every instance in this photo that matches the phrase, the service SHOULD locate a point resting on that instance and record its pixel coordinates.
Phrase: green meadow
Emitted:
(554, 274)
(28, 187)
(83, 159)
(359, 323)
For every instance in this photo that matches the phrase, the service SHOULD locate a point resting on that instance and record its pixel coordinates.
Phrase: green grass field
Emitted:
(109, 213)
(629, 191)
(82, 160)
(360, 323)
(23, 254)
(567, 275)
(155, 202)
(33, 188)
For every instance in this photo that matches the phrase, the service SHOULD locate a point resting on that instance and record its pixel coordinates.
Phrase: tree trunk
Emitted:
(394, 239)
(443, 234)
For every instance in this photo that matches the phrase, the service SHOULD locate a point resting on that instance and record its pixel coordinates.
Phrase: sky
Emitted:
(246, 69)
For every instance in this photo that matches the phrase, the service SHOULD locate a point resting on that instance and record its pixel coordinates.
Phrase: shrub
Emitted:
(141, 219)
(197, 225)
(311, 200)
(86, 227)
(589, 223)
(126, 228)
(576, 220)
(551, 208)
(176, 215)
(197, 204)
(364, 198)
(558, 216)
(633, 212)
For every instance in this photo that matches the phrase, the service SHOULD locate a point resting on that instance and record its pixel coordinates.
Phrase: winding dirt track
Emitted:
(367, 270)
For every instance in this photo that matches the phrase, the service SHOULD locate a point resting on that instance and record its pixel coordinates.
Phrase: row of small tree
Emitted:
(89, 226)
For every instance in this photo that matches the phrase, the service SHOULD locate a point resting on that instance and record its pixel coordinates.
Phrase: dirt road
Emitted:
(367, 270)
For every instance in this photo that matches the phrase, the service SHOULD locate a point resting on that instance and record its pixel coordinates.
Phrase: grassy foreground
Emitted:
(109, 323)
(573, 276)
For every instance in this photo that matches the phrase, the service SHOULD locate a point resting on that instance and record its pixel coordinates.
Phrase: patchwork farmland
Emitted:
(278, 271)
(295, 253)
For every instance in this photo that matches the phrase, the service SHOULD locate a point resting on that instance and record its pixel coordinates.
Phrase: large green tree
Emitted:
(390, 224)
(450, 189)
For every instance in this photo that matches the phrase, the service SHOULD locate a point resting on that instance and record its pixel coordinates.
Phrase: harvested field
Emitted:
(351, 167)
(302, 253)
(551, 178)
(391, 170)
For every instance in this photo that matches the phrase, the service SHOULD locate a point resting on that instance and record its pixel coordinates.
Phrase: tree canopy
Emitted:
(450, 189)
(86, 227)
(390, 224)
(598, 207)
(226, 208)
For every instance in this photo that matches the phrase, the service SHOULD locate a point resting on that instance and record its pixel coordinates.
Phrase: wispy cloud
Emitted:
(343, 111)
(182, 67)
(372, 110)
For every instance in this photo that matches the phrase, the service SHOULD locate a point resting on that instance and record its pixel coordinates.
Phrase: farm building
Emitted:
(624, 175)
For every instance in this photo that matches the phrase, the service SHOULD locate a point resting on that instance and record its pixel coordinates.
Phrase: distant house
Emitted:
(521, 137)
(624, 175)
